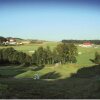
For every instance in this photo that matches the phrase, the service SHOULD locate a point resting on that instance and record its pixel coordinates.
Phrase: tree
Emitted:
(42, 56)
(72, 53)
(55, 56)
(38, 56)
(34, 58)
(66, 53)
(12, 56)
(61, 54)
(96, 60)
(28, 60)
(81, 41)
(15, 58)
(48, 55)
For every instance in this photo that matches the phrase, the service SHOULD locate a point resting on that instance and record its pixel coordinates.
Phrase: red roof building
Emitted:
(87, 43)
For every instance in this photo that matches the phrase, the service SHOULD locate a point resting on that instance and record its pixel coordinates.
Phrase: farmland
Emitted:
(58, 79)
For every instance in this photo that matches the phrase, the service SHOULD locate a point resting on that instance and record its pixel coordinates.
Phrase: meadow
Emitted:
(65, 70)
(55, 81)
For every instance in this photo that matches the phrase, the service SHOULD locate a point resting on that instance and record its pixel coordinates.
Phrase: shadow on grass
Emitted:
(88, 72)
(51, 75)
(81, 85)
(8, 72)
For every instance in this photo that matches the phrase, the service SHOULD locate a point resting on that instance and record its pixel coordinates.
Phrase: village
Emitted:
(12, 41)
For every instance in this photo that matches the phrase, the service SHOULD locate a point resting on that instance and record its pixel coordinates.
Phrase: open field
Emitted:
(63, 81)
(83, 60)
(31, 47)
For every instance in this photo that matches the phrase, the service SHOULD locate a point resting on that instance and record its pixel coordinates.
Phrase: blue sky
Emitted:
(50, 19)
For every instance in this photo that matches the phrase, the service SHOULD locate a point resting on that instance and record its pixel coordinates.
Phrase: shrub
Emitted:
(96, 60)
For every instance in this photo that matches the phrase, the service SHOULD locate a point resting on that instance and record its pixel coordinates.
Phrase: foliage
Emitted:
(11, 56)
(61, 54)
(81, 41)
(67, 52)
(96, 60)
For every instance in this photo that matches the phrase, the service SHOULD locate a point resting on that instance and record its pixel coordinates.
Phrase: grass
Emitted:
(87, 54)
(83, 60)
(66, 70)
(63, 71)
(68, 88)
(63, 81)
(10, 71)
(32, 47)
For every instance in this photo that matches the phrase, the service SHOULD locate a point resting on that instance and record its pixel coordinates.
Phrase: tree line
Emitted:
(62, 53)
(82, 41)
(12, 56)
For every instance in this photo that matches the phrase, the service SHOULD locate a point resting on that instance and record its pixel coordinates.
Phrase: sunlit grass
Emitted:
(64, 71)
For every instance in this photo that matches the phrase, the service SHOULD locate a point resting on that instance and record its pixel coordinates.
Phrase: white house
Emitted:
(10, 42)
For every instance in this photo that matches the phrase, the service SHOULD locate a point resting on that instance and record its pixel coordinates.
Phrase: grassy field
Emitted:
(83, 60)
(87, 54)
(55, 81)
(31, 47)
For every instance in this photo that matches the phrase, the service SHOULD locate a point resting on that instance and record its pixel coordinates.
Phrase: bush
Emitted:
(96, 60)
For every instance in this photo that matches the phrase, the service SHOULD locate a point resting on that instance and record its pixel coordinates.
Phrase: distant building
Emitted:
(10, 41)
(86, 44)
(6, 43)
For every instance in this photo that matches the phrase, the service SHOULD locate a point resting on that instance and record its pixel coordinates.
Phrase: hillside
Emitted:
(75, 87)
(77, 80)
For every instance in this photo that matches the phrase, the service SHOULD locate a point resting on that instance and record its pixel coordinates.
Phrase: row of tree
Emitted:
(12, 56)
(82, 41)
(63, 53)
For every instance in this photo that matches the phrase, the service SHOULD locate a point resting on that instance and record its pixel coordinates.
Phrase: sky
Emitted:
(50, 19)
